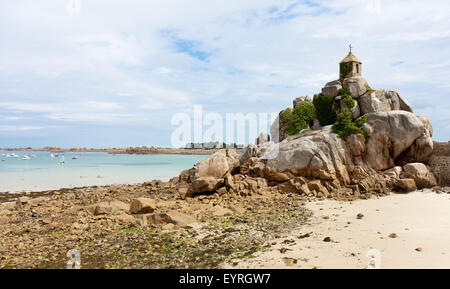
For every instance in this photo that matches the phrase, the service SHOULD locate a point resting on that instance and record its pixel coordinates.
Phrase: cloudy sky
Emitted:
(113, 73)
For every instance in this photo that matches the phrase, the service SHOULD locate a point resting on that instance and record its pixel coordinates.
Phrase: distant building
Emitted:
(213, 145)
(350, 66)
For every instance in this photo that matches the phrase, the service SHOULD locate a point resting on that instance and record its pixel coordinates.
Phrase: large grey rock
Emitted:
(356, 112)
(142, 206)
(332, 88)
(318, 154)
(277, 129)
(422, 147)
(205, 184)
(299, 99)
(356, 86)
(423, 177)
(427, 123)
(440, 162)
(406, 185)
(262, 138)
(110, 208)
(249, 152)
(216, 165)
(391, 133)
(382, 100)
(208, 174)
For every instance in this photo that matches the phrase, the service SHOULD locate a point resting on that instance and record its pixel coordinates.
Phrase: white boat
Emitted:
(14, 155)
(52, 155)
(25, 157)
(61, 162)
(8, 155)
(75, 158)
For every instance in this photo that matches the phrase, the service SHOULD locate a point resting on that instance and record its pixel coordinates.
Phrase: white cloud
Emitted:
(112, 63)
(15, 128)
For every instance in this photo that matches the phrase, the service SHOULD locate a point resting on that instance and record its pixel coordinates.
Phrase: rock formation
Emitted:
(392, 154)
(440, 162)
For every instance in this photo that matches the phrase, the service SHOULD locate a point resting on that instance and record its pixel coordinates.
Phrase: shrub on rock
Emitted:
(325, 110)
(345, 126)
(301, 117)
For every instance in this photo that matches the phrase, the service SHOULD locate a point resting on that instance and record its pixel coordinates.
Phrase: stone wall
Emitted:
(440, 162)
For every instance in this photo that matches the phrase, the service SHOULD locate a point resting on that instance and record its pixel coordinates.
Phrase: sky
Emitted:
(97, 73)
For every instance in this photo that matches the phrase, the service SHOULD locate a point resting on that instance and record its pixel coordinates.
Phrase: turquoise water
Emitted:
(42, 172)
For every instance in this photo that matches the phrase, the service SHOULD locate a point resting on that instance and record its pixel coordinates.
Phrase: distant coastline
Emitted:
(128, 150)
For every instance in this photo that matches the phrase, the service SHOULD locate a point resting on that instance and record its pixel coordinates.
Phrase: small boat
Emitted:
(25, 157)
(52, 155)
(61, 162)
(75, 158)
(14, 155)
(8, 155)
(3, 160)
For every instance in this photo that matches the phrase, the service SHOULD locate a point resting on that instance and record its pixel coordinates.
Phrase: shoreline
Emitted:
(206, 230)
(137, 150)
(265, 230)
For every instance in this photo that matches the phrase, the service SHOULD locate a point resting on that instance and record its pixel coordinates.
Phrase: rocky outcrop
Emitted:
(262, 138)
(422, 148)
(405, 185)
(314, 154)
(208, 175)
(215, 166)
(356, 86)
(332, 88)
(277, 129)
(205, 184)
(356, 111)
(142, 206)
(299, 99)
(318, 163)
(109, 208)
(440, 162)
(391, 133)
(421, 174)
(381, 100)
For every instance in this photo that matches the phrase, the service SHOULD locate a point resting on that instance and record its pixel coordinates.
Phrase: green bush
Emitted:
(348, 101)
(347, 98)
(344, 125)
(293, 121)
(325, 109)
(305, 111)
(285, 118)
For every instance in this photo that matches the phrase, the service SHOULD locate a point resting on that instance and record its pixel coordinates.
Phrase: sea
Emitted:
(39, 171)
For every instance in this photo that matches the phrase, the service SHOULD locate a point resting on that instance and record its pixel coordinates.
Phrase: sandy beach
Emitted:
(420, 221)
